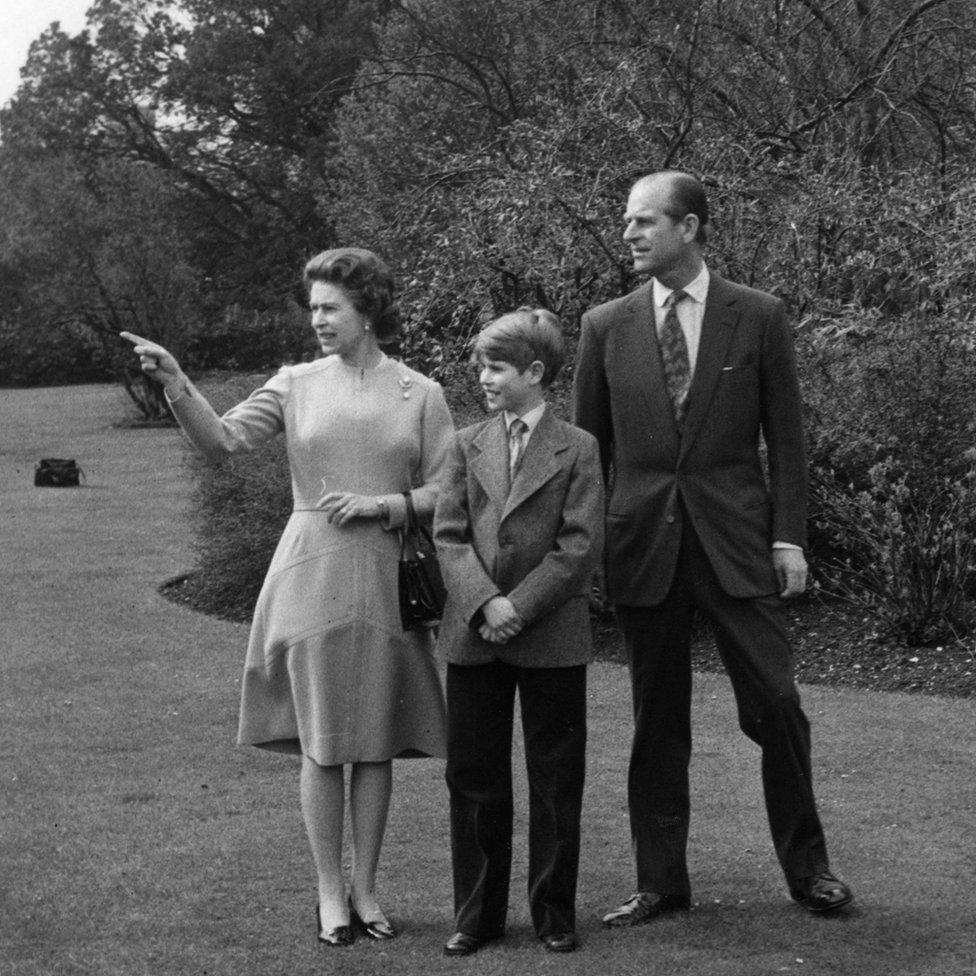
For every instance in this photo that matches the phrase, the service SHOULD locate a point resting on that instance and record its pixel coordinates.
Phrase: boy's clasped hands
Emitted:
(501, 620)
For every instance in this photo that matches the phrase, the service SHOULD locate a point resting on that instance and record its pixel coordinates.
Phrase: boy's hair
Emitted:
(522, 337)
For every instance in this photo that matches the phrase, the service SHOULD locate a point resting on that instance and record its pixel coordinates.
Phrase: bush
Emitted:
(907, 556)
(891, 410)
(241, 506)
(61, 354)
(250, 340)
(893, 499)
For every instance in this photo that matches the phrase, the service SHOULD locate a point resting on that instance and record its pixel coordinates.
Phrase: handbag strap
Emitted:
(408, 533)
(412, 522)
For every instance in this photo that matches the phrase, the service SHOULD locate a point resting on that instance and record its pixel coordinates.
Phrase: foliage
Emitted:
(223, 113)
(231, 103)
(886, 358)
(489, 146)
(241, 506)
(90, 253)
(249, 340)
(240, 509)
(39, 358)
(894, 495)
(173, 165)
(835, 144)
(904, 553)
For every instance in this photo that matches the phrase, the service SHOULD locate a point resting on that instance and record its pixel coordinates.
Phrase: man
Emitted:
(677, 380)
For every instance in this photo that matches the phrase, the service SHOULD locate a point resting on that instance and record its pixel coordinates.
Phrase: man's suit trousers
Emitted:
(755, 649)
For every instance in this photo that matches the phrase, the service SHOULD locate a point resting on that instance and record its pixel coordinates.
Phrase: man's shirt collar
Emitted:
(697, 289)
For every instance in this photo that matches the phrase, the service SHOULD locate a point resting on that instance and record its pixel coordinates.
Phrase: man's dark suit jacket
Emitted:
(744, 383)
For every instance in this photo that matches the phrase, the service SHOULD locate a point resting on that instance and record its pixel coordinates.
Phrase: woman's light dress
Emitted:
(329, 670)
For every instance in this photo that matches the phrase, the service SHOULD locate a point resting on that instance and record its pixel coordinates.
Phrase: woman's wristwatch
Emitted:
(383, 510)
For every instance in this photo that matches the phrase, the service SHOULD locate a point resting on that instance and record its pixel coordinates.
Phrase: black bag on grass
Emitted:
(57, 473)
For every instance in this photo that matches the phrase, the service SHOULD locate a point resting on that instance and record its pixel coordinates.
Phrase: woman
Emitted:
(330, 673)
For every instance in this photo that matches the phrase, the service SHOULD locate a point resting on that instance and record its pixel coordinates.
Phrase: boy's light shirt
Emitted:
(530, 419)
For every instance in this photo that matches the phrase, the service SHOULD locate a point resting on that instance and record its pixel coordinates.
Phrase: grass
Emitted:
(138, 839)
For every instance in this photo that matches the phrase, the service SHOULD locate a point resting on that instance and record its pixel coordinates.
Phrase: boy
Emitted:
(519, 532)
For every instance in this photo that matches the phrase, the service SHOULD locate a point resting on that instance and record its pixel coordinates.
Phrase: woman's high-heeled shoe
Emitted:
(341, 935)
(376, 928)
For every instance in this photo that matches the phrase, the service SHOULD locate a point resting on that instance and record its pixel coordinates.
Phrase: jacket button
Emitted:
(670, 520)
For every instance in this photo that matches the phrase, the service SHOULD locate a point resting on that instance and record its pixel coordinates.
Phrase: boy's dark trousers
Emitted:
(480, 706)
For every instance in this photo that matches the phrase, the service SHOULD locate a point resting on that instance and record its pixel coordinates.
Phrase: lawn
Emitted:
(138, 839)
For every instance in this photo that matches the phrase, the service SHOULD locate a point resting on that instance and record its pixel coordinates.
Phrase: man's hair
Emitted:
(687, 196)
(522, 337)
(368, 282)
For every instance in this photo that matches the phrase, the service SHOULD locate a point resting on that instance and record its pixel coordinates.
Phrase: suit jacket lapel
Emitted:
(539, 463)
(490, 463)
(718, 327)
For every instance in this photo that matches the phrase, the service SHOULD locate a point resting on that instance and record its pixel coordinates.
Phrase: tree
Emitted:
(95, 253)
(836, 142)
(233, 104)
(227, 107)
(489, 145)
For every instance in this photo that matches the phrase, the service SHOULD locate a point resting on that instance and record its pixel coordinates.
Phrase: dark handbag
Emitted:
(420, 583)
(57, 473)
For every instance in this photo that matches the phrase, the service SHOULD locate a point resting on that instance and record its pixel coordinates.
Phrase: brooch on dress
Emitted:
(405, 384)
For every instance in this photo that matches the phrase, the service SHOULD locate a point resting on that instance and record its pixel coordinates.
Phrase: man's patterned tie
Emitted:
(674, 353)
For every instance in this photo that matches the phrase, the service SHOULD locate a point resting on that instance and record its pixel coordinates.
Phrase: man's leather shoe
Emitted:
(461, 944)
(561, 942)
(644, 907)
(821, 893)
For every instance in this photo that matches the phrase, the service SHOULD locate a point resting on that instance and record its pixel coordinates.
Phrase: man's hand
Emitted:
(598, 591)
(502, 620)
(791, 571)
